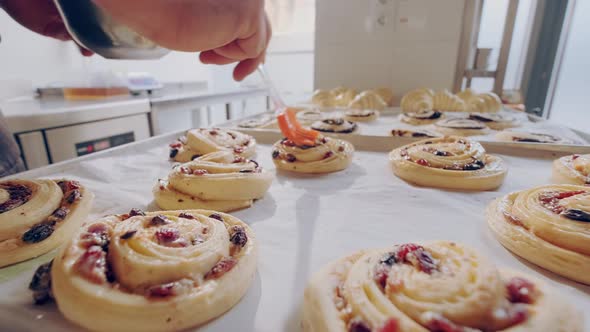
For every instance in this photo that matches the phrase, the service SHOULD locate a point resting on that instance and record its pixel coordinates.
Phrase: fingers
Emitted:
(248, 47)
(246, 67)
(212, 58)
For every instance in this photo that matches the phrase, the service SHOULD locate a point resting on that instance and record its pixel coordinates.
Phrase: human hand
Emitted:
(40, 16)
(224, 31)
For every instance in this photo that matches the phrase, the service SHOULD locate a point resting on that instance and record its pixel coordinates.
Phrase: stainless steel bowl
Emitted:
(96, 30)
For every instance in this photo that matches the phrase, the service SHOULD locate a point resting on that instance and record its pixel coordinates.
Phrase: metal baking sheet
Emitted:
(303, 222)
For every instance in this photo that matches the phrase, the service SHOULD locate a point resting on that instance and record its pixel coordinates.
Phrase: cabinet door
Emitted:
(33, 149)
(73, 141)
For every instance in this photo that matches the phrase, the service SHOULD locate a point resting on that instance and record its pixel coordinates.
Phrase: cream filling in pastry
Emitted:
(448, 162)
(158, 271)
(328, 155)
(548, 226)
(217, 180)
(430, 287)
(37, 216)
(201, 141)
(574, 169)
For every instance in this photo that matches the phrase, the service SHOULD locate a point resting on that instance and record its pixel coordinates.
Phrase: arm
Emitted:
(225, 31)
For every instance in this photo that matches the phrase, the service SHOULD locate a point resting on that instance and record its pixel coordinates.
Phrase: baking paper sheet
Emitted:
(303, 223)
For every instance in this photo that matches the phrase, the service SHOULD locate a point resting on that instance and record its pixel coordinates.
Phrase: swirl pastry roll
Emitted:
(368, 100)
(218, 180)
(328, 155)
(361, 115)
(448, 162)
(548, 226)
(309, 116)
(323, 98)
(497, 121)
(526, 137)
(256, 123)
(335, 125)
(574, 169)
(430, 287)
(417, 100)
(201, 141)
(37, 216)
(160, 271)
(386, 94)
(423, 117)
(445, 101)
(345, 97)
(413, 133)
(460, 127)
(466, 94)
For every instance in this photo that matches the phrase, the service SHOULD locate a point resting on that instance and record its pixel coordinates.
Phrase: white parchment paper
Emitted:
(303, 223)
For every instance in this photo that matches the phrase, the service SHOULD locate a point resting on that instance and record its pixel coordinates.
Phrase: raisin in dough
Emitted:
(437, 286)
(201, 141)
(574, 169)
(159, 271)
(448, 162)
(37, 216)
(218, 181)
(328, 155)
(548, 226)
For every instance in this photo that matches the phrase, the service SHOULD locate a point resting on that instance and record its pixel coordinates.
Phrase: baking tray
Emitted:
(304, 222)
(389, 120)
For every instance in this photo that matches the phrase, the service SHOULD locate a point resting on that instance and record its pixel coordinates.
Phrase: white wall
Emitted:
(42, 60)
(570, 103)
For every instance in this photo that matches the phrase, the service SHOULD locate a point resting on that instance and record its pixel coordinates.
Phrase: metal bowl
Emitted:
(96, 30)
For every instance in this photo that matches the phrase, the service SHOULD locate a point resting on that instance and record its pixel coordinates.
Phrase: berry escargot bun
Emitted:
(218, 181)
(413, 133)
(527, 137)
(157, 271)
(328, 155)
(461, 127)
(201, 141)
(361, 115)
(548, 226)
(497, 121)
(436, 286)
(421, 117)
(574, 169)
(448, 162)
(335, 125)
(37, 216)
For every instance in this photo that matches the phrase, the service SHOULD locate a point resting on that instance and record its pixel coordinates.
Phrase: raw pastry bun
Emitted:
(386, 94)
(201, 141)
(328, 155)
(323, 98)
(480, 103)
(335, 125)
(361, 115)
(548, 226)
(413, 133)
(368, 100)
(448, 162)
(343, 96)
(527, 137)
(574, 169)
(423, 117)
(460, 127)
(497, 121)
(157, 271)
(436, 286)
(445, 101)
(219, 180)
(37, 216)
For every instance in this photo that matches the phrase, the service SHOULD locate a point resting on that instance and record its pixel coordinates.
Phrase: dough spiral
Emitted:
(423, 117)
(574, 169)
(36, 216)
(548, 226)
(448, 162)
(328, 155)
(413, 133)
(368, 100)
(160, 271)
(497, 121)
(361, 115)
(526, 137)
(201, 141)
(438, 286)
(335, 125)
(417, 100)
(219, 181)
(323, 98)
(460, 127)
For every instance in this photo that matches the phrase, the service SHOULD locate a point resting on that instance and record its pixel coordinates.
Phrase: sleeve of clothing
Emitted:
(10, 160)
